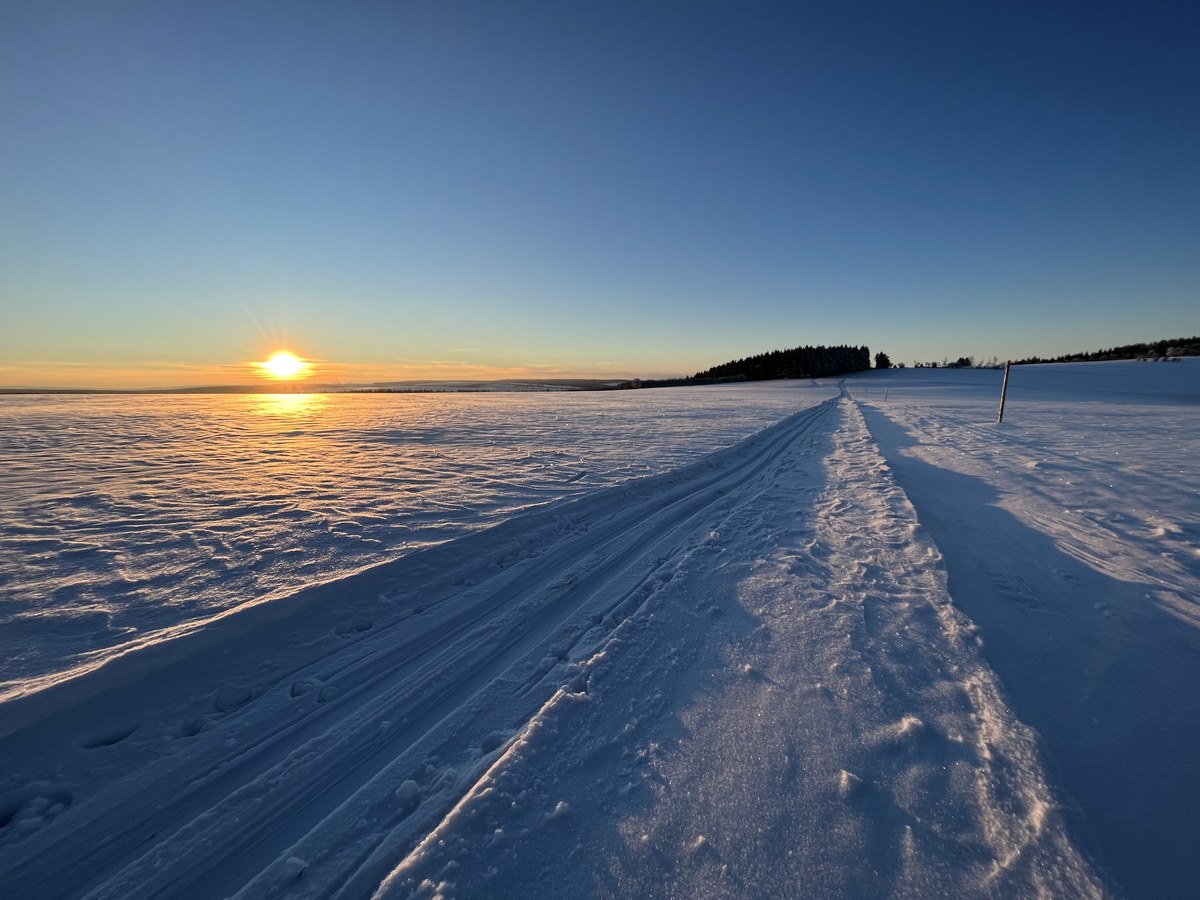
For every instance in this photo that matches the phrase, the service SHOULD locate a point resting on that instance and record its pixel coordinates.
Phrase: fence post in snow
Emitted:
(886, 388)
(1003, 391)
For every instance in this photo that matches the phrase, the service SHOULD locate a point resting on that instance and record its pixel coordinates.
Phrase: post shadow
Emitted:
(1109, 679)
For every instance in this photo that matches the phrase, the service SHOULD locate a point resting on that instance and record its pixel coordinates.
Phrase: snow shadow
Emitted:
(637, 777)
(1093, 663)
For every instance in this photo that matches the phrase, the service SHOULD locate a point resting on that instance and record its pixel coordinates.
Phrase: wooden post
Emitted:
(1003, 391)
(885, 391)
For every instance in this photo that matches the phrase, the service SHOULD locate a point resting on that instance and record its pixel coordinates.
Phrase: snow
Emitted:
(814, 720)
(1072, 538)
(126, 519)
(874, 647)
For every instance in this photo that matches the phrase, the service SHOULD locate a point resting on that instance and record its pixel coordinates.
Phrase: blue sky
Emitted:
(445, 189)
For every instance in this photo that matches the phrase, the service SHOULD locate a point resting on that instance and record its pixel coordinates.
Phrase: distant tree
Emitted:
(798, 362)
(882, 361)
(1155, 350)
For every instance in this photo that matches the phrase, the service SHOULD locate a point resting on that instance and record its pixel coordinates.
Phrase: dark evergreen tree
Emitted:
(799, 362)
(882, 361)
(1156, 350)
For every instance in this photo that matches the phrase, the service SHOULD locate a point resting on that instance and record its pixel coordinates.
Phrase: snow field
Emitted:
(798, 711)
(285, 731)
(1070, 536)
(810, 664)
(125, 520)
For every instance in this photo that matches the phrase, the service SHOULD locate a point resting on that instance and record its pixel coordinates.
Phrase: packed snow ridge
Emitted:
(882, 647)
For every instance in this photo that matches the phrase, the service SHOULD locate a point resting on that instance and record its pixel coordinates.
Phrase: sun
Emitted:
(283, 364)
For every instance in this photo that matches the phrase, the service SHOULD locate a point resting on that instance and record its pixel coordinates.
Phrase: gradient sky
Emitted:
(491, 189)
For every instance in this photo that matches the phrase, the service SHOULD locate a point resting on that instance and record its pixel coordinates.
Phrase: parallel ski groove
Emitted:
(337, 747)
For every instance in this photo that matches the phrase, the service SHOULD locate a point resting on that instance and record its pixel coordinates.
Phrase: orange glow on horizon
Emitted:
(159, 374)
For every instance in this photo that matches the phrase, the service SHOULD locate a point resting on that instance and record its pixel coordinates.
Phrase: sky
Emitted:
(496, 190)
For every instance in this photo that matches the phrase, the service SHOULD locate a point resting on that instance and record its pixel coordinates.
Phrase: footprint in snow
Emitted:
(108, 738)
(26, 809)
(327, 693)
(493, 741)
(408, 795)
(228, 700)
(303, 686)
(358, 623)
(904, 735)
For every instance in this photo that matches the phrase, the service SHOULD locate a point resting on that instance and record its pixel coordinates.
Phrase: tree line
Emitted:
(798, 362)
(1171, 348)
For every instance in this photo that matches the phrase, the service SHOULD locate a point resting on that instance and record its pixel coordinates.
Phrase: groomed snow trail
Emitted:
(126, 521)
(193, 766)
(797, 710)
(1071, 538)
(741, 677)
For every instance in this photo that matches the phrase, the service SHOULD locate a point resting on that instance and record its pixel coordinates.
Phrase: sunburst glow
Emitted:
(283, 364)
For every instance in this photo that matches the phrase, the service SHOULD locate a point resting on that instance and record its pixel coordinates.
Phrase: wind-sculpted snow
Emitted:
(122, 518)
(742, 677)
(883, 647)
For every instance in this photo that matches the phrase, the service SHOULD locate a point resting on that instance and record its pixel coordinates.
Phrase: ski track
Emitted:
(124, 521)
(813, 719)
(744, 677)
(298, 754)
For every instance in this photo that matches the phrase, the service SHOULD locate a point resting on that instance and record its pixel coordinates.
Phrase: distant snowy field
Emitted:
(880, 646)
(123, 516)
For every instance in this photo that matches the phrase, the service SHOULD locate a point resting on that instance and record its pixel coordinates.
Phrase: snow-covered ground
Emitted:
(882, 647)
(1071, 534)
(126, 518)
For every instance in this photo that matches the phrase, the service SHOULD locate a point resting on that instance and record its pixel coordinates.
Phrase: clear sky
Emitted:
(492, 189)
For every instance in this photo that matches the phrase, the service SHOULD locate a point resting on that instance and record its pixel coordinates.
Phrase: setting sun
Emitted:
(282, 364)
